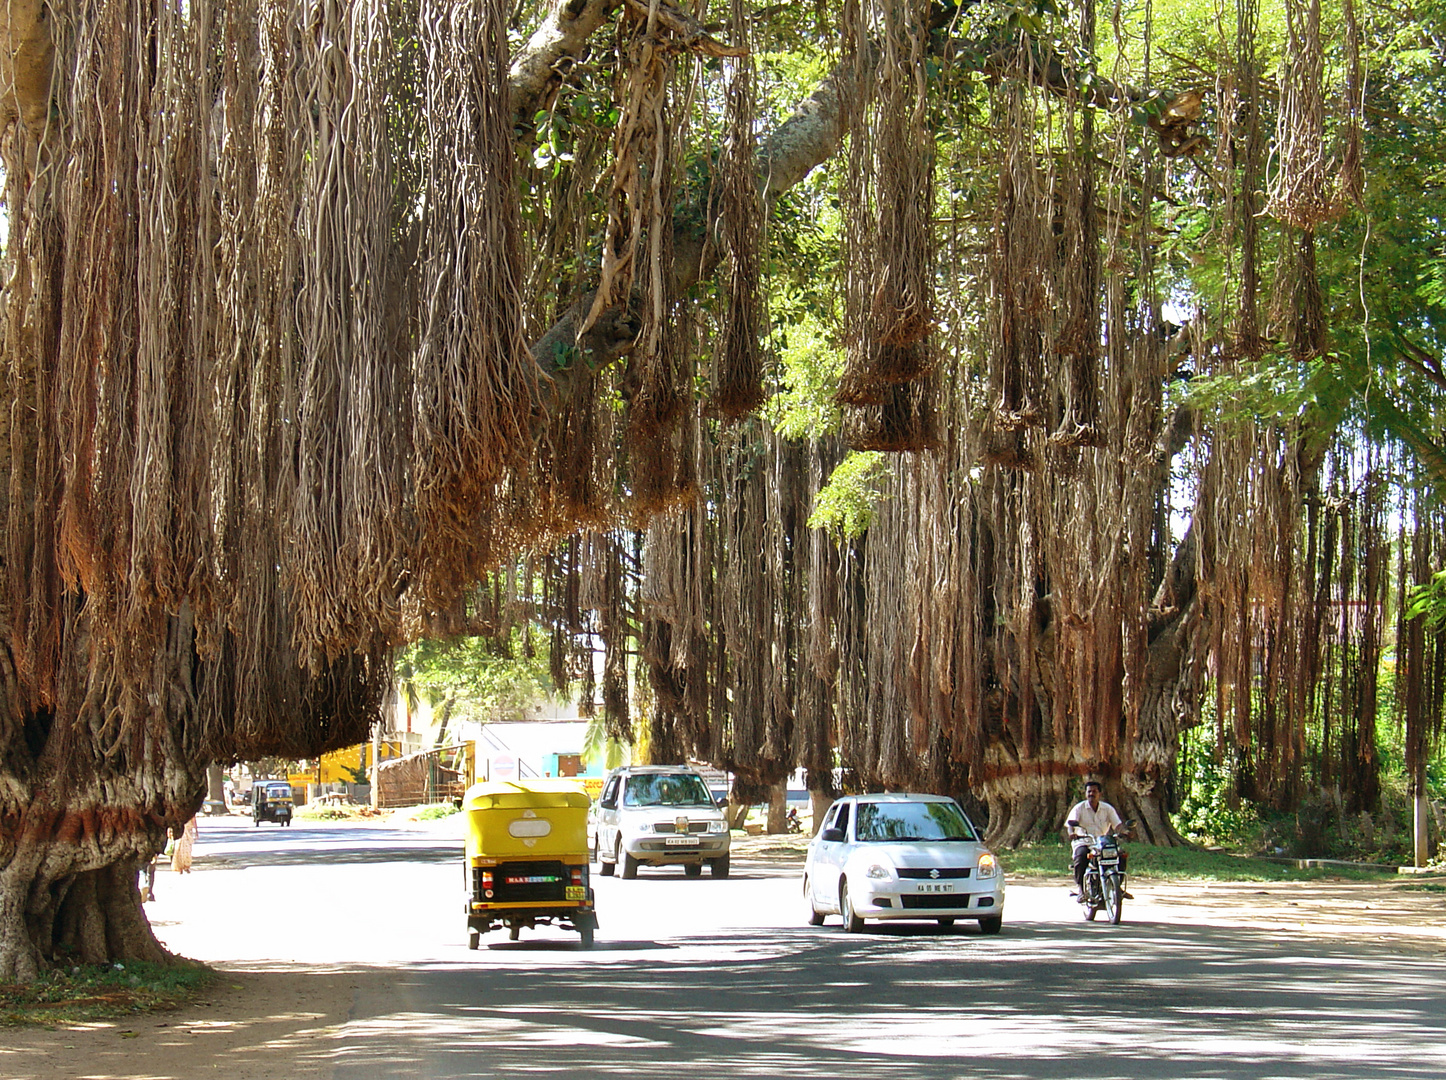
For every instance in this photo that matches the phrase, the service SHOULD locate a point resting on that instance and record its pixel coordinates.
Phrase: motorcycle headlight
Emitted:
(988, 866)
(878, 871)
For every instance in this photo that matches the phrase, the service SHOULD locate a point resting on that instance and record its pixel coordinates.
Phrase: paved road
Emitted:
(693, 974)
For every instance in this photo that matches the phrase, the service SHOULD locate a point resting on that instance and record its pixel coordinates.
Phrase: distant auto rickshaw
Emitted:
(271, 801)
(527, 858)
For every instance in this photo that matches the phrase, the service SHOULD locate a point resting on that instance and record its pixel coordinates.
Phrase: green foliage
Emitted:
(89, 992)
(845, 505)
(483, 677)
(812, 362)
(1428, 601)
(595, 743)
(440, 810)
(1207, 815)
(1276, 389)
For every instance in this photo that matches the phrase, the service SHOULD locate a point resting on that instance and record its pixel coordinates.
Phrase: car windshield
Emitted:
(666, 789)
(890, 821)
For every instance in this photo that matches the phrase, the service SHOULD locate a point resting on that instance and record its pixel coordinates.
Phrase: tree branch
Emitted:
(809, 137)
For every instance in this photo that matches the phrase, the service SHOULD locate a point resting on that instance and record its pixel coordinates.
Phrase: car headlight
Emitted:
(988, 865)
(878, 871)
(717, 826)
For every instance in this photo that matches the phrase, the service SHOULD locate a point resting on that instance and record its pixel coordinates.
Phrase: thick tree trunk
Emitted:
(69, 891)
(1027, 798)
(778, 807)
(84, 806)
(820, 801)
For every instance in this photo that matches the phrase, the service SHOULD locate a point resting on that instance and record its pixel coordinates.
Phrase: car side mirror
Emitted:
(832, 836)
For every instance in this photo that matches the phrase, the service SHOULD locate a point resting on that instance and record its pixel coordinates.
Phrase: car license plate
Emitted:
(680, 841)
(575, 892)
(941, 886)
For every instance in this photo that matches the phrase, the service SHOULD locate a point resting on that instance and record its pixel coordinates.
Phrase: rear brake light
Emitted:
(577, 875)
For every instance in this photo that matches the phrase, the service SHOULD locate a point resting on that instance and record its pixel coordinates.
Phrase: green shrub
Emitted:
(1208, 814)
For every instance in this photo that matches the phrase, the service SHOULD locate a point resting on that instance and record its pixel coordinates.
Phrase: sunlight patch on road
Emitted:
(1044, 1037)
(477, 1029)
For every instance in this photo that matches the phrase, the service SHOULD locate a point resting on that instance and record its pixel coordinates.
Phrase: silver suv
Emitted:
(660, 815)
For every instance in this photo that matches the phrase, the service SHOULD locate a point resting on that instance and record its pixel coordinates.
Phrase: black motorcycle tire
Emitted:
(1114, 900)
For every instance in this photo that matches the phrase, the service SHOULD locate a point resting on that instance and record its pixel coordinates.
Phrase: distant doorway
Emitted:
(569, 764)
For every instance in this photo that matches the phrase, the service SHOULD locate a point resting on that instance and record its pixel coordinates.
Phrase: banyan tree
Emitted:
(316, 315)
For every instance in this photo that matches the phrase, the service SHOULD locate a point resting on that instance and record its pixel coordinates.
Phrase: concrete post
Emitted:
(215, 805)
(376, 758)
(1423, 849)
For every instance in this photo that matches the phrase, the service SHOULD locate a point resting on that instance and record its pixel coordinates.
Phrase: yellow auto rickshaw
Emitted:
(527, 857)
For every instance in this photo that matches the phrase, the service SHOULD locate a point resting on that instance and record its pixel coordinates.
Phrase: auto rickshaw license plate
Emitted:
(575, 892)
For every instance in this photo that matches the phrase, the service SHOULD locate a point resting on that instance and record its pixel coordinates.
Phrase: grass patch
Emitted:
(1178, 864)
(312, 812)
(84, 993)
(1424, 886)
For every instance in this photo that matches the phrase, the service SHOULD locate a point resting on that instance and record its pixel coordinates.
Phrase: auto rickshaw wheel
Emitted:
(586, 932)
(514, 932)
(473, 938)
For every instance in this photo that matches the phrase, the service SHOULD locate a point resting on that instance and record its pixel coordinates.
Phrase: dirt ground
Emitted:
(271, 1024)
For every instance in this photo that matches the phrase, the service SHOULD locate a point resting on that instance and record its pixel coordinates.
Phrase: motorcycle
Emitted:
(1104, 879)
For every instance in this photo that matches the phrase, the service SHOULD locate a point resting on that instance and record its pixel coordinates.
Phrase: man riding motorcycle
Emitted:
(1092, 817)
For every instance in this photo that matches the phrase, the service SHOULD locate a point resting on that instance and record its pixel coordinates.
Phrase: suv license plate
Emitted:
(680, 841)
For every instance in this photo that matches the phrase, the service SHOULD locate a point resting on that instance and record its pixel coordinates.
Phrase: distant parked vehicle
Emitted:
(271, 801)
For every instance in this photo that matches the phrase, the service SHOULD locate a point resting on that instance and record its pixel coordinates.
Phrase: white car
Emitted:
(659, 815)
(901, 856)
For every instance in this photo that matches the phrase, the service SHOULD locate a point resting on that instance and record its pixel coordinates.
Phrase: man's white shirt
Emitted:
(1093, 821)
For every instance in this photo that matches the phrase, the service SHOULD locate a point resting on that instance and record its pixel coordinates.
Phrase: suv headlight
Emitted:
(988, 865)
(877, 871)
(717, 826)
